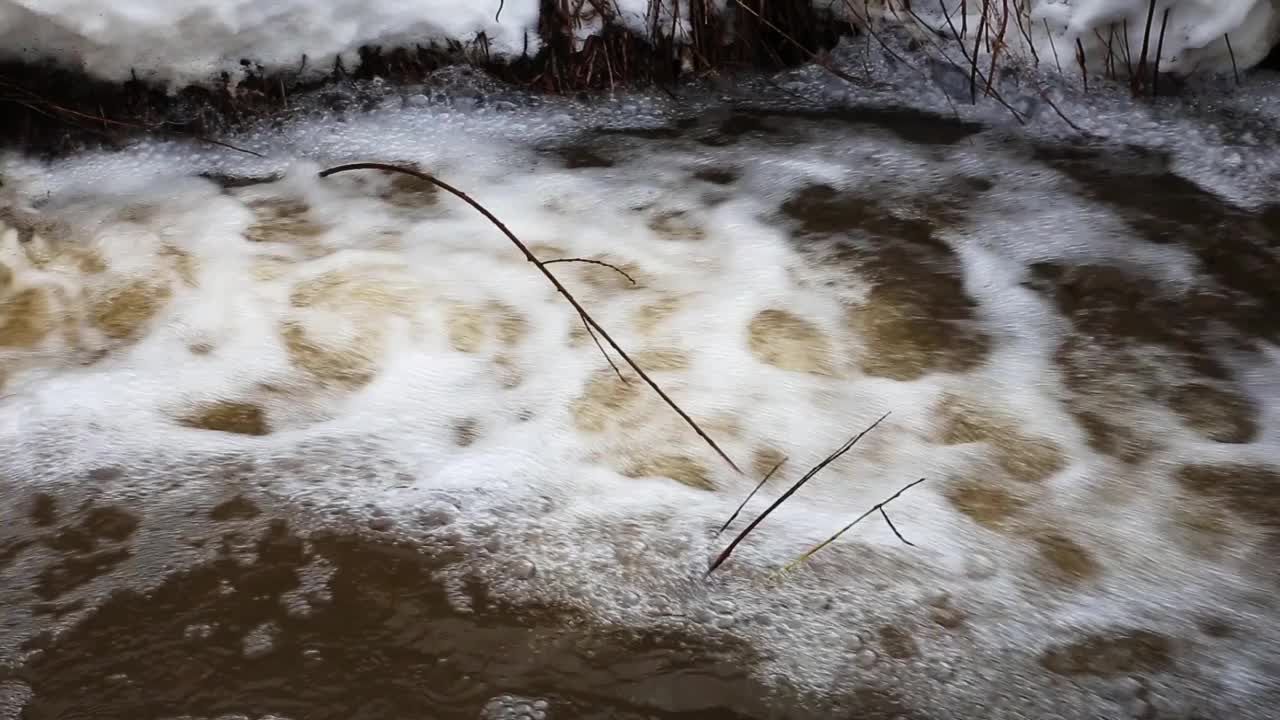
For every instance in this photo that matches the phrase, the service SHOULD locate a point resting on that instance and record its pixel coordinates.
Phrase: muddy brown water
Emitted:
(246, 633)
(381, 641)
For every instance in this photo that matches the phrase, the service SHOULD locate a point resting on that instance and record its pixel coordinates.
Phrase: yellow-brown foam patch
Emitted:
(985, 502)
(1250, 491)
(25, 318)
(789, 342)
(1215, 413)
(183, 264)
(917, 317)
(602, 277)
(905, 341)
(471, 326)
(1023, 457)
(122, 312)
(1064, 560)
(282, 220)
(346, 365)
(1112, 654)
(408, 192)
(765, 459)
(897, 642)
(1136, 343)
(465, 432)
(230, 417)
(649, 317)
(676, 225)
(366, 298)
(681, 468)
(606, 398)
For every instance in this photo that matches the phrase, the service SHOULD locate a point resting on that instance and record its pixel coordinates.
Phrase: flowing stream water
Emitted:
(277, 445)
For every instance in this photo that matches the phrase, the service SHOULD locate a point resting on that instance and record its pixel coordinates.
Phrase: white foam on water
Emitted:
(410, 368)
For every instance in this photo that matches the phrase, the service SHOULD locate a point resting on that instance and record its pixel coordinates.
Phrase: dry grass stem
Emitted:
(879, 507)
(590, 261)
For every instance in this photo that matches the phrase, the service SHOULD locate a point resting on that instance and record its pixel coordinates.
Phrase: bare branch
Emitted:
(524, 249)
(589, 261)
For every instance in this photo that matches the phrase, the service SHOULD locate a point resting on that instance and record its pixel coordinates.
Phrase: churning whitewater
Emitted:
(1078, 356)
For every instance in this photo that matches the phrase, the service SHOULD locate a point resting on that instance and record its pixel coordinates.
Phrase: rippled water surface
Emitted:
(277, 445)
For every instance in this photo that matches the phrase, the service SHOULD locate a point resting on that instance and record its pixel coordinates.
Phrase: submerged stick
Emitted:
(528, 254)
(759, 485)
(879, 507)
(798, 484)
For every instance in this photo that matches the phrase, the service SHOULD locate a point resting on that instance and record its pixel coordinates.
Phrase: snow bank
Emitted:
(1195, 38)
(186, 41)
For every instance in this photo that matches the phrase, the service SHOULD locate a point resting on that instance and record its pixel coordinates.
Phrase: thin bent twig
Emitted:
(783, 498)
(524, 249)
(1235, 69)
(879, 507)
(589, 261)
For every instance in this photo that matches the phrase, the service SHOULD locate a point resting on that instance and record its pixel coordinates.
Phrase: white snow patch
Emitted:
(189, 41)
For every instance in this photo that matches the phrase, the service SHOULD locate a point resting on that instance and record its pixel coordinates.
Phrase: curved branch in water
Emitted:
(542, 267)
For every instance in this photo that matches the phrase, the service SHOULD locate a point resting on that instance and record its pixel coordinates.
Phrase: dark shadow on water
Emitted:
(382, 641)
